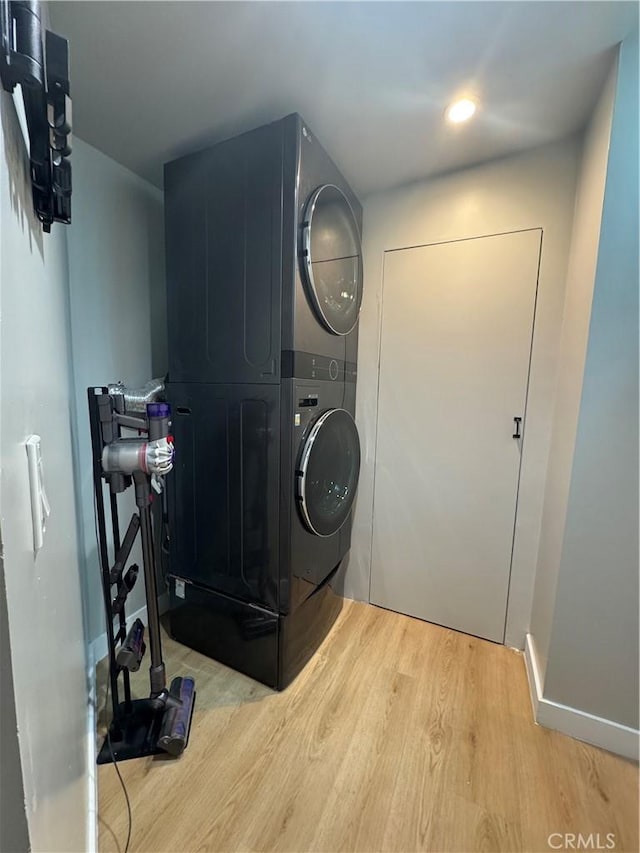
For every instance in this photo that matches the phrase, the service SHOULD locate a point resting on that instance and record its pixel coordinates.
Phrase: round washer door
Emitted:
(332, 259)
(327, 478)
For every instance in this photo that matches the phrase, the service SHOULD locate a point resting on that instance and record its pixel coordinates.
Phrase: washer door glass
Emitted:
(329, 470)
(332, 257)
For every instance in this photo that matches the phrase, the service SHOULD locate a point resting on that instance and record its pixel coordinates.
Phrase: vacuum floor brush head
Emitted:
(176, 722)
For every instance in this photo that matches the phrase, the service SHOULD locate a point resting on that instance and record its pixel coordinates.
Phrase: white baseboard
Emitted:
(99, 647)
(578, 724)
(92, 770)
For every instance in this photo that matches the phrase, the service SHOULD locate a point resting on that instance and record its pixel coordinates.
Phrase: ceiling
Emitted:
(153, 80)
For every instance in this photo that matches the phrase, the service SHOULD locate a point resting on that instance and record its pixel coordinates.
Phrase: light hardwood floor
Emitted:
(399, 735)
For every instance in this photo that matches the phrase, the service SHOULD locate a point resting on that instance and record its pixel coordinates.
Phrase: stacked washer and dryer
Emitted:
(264, 280)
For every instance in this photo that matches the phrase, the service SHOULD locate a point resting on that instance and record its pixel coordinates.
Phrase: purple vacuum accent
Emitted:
(159, 417)
(158, 410)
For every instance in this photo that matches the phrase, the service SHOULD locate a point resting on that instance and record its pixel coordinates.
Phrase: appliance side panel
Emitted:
(223, 496)
(186, 265)
(224, 260)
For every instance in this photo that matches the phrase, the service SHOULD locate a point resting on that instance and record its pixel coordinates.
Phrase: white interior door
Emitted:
(454, 362)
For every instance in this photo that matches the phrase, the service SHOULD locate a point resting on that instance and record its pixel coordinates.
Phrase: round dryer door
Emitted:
(332, 259)
(328, 474)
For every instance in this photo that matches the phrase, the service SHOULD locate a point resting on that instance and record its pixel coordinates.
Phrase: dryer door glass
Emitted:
(328, 474)
(332, 259)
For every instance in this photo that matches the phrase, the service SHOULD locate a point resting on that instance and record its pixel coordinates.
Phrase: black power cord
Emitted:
(124, 787)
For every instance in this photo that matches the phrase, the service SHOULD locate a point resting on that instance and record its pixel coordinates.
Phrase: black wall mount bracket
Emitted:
(38, 61)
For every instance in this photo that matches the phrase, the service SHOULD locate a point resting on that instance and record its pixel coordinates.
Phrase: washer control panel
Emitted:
(307, 407)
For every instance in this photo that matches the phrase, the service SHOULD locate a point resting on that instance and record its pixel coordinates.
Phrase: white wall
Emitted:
(43, 594)
(577, 311)
(592, 660)
(530, 190)
(116, 280)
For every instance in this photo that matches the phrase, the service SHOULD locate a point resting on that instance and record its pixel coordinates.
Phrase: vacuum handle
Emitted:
(132, 650)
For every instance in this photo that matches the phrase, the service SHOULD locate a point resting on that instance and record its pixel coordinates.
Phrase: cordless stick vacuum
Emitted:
(161, 723)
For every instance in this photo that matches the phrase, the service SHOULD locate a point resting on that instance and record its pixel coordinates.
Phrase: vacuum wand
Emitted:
(145, 459)
(158, 458)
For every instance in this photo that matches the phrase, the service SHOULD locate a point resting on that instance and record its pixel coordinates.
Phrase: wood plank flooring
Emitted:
(398, 736)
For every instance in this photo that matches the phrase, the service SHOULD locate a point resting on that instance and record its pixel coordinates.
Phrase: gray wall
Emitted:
(118, 321)
(14, 834)
(593, 652)
(43, 592)
(575, 329)
(531, 190)
(83, 305)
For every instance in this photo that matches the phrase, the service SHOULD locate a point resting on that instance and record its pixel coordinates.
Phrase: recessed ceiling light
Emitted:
(461, 110)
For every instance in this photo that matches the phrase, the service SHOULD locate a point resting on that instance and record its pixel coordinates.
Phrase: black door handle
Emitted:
(517, 422)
